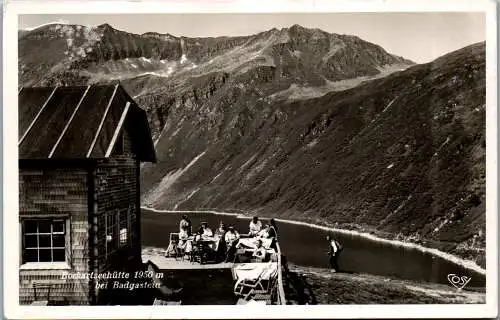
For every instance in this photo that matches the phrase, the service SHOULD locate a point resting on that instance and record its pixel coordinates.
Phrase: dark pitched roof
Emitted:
(80, 122)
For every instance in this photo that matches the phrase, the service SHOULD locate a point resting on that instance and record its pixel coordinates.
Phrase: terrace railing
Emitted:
(280, 289)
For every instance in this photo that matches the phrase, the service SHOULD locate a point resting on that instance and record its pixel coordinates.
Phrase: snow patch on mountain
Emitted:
(186, 198)
(55, 23)
(300, 92)
(169, 179)
(133, 67)
(183, 59)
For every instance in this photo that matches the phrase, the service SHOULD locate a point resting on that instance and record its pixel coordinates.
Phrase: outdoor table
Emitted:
(205, 246)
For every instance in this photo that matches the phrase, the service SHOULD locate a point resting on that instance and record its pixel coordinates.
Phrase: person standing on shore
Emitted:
(334, 250)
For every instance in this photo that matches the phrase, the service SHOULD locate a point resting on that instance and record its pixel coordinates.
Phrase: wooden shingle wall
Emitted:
(47, 193)
(116, 189)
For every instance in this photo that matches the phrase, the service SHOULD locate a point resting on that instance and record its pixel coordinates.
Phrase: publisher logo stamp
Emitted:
(458, 282)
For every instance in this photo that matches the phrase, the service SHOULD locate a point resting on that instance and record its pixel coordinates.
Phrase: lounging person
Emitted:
(255, 226)
(185, 223)
(264, 233)
(232, 237)
(334, 251)
(259, 254)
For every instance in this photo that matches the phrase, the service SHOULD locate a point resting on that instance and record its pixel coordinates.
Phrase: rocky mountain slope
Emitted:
(403, 155)
(297, 123)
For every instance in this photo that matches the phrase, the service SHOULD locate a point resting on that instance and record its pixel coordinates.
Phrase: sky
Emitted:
(420, 37)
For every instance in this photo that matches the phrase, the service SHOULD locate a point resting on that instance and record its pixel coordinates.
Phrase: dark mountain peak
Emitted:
(297, 27)
(105, 27)
(151, 34)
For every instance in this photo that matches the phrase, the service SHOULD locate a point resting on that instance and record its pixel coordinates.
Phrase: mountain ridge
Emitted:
(165, 46)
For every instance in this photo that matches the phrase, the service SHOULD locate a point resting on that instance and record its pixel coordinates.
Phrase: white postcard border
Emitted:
(10, 165)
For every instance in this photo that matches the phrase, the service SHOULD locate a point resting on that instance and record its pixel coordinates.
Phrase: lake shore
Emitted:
(307, 285)
(356, 231)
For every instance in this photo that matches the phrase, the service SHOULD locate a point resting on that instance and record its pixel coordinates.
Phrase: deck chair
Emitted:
(172, 249)
(42, 293)
(251, 286)
(159, 302)
(242, 301)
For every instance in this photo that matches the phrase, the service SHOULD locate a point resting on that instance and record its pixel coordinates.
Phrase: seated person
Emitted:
(206, 232)
(259, 254)
(221, 231)
(255, 226)
(264, 233)
(231, 238)
(184, 242)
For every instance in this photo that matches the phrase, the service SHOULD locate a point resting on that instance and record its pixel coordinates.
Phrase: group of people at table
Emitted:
(226, 240)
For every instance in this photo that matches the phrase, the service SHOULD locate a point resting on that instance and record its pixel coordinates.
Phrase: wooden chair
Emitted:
(202, 253)
(197, 252)
(173, 249)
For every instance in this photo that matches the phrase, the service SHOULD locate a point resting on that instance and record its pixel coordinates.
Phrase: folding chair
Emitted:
(173, 248)
(159, 302)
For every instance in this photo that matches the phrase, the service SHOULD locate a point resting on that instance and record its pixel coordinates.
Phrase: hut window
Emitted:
(111, 232)
(124, 226)
(44, 240)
